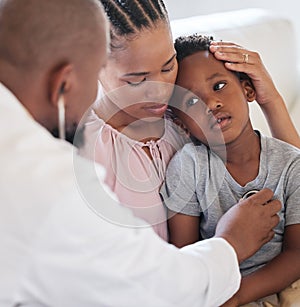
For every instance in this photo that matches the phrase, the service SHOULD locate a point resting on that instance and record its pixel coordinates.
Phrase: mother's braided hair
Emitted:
(130, 16)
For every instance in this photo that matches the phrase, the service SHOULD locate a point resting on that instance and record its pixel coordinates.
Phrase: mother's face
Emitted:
(145, 67)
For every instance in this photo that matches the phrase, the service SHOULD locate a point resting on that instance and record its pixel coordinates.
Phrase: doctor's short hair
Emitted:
(35, 32)
(191, 44)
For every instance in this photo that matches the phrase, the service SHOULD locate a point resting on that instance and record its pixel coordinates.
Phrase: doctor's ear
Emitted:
(61, 82)
(249, 90)
(62, 88)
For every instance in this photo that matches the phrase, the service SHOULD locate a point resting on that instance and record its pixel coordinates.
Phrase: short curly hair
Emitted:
(188, 45)
(191, 44)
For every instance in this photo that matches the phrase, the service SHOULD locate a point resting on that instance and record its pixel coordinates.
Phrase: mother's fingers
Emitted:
(225, 47)
(224, 43)
(245, 58)
(242, 57)
(234, 53)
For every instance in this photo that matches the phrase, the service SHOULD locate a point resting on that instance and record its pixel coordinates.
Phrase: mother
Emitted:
(128, 131)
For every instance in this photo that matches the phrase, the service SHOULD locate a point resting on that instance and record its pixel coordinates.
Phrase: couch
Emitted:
(272, 35)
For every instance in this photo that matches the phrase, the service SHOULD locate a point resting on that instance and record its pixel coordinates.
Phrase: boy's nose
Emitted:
(213, 106)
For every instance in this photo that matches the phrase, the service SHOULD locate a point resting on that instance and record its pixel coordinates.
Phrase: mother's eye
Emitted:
(136, 83)
(218, 86)
(169, 69)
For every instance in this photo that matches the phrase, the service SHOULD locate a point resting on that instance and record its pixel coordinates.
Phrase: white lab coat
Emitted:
(57, 250)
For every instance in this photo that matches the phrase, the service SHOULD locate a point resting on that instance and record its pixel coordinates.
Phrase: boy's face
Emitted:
(214, 107)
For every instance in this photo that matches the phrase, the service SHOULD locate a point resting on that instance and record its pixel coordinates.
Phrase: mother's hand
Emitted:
(240, 59)
(237, 58)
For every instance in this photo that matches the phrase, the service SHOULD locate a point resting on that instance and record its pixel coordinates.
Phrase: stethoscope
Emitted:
(249, 193)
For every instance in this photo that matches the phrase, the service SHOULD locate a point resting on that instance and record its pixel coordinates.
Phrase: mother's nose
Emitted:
(159, 91)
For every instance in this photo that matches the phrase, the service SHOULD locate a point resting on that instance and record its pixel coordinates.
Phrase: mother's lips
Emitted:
(157, 108)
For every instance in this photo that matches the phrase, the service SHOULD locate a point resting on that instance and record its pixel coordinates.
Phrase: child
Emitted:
(227, 160)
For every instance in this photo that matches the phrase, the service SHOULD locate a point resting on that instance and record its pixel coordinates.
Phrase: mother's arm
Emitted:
(268, 97)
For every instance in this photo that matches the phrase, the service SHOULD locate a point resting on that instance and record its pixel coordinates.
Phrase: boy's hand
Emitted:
(249, 224)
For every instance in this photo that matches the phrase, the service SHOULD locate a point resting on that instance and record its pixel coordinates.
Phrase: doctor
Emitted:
(56, 250)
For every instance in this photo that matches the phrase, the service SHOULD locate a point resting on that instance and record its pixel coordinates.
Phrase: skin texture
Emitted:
(146, 78)
(41, 54)
(142, 57)
(47, 46)
(216, 93)
(148, 56)
(275, 276)
(212, 87)
(269, 99)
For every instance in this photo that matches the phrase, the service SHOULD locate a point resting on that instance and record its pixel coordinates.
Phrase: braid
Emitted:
(131, 16)
(147, 11)
(117, 17)
(160, 8)
(135, 13)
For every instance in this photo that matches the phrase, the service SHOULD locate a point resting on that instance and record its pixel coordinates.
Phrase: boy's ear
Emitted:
(249, 90)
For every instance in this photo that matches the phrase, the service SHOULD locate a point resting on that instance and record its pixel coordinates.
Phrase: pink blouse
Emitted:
(130, 173)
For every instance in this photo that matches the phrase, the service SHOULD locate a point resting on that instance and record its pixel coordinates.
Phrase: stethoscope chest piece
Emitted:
(249, 193)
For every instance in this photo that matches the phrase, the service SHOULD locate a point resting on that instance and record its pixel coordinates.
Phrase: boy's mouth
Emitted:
(221, 121)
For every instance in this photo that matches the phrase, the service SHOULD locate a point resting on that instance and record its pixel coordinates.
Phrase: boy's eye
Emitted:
(219, 86)
(192, 101)
(136, 83)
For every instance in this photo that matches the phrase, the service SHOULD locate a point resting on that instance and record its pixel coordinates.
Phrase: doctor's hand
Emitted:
(249, 224)
(238, 58)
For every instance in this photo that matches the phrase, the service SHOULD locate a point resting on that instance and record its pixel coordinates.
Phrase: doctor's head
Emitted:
(51, 53)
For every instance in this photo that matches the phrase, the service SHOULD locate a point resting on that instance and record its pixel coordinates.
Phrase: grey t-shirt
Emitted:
(198, 184)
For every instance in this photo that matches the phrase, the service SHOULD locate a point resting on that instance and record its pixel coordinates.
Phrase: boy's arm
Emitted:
(274, 276)
(183, 229)
(179, 195)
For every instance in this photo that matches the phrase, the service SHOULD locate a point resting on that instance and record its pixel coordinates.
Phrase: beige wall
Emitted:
(185, 8)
